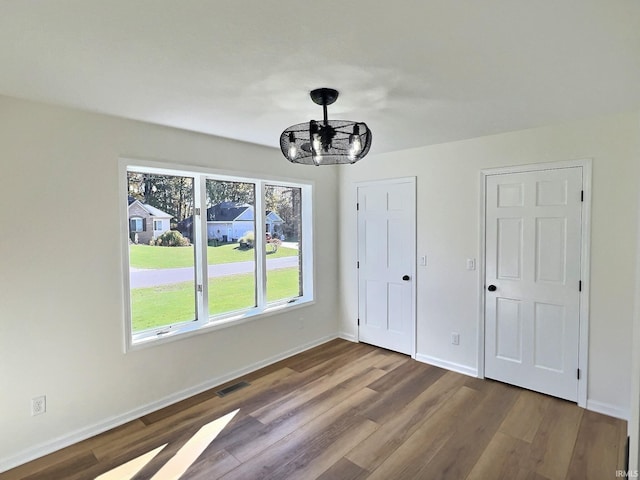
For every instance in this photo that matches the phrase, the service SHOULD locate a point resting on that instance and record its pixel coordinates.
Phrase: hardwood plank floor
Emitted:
(351, 412)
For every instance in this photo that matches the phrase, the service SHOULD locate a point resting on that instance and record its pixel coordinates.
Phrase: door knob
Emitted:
(406, 278)
(492, 288)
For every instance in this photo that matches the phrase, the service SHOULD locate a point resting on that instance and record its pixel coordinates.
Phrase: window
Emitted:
(210, 267)
(137, 225)
(283, 228)
(231, 209)
(161, 278)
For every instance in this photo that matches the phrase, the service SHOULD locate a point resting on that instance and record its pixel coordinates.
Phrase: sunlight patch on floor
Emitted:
(189, 453)
(131, 468)
(180, 462)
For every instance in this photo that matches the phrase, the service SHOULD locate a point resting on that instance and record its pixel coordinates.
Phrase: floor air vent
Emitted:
(232, 388)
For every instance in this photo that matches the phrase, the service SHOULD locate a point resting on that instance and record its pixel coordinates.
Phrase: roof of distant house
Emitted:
(226, 211)
(153, 211)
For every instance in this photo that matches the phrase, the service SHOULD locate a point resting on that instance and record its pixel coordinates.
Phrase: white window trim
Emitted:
(205, 323)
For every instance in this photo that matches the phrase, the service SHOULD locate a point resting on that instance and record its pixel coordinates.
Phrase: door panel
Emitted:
(549, 327)
(551, 250)
(509, 254)
(386, 255)
(509, 330)
(533, 242)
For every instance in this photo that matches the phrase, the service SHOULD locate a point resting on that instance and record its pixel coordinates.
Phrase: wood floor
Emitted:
(352, 411)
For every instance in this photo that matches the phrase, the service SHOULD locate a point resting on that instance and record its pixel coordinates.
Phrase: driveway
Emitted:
(140, 278)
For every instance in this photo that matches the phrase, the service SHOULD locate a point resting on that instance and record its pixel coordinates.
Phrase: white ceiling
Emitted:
(417, 72)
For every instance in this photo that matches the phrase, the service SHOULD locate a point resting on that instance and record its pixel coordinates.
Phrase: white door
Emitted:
(532, 289)
(386, 264)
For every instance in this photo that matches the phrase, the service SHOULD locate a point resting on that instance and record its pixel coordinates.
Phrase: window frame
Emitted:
(204, 322)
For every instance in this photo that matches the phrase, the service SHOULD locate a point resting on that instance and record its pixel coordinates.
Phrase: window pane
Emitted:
(284, 242)
(231, 255)
(161, 263)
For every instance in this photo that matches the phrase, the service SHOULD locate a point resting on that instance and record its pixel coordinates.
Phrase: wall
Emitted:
(61, 300)
(448, 225)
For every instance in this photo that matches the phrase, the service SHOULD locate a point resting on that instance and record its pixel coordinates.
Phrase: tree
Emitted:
(169, 193)
(285, 201)
(222, 191)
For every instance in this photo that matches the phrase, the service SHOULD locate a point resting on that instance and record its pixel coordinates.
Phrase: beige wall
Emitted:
(448, 195)
(61, 300)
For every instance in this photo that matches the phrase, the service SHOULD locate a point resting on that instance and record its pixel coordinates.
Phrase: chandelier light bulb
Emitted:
(293, 150)
(316, 144)
(355, 144)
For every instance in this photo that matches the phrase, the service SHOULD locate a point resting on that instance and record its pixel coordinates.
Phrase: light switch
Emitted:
(423, 260)
(471, 263)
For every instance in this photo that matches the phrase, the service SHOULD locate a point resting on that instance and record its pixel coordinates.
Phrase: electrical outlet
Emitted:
(455, 338)
(38, 405)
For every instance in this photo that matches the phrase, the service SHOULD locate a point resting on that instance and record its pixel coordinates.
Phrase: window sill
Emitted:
(191, 329)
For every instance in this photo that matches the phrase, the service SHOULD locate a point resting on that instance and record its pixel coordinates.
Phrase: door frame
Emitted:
(388, 181)
(583, 340)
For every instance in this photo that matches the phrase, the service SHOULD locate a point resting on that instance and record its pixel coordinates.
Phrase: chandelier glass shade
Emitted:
(325, 142)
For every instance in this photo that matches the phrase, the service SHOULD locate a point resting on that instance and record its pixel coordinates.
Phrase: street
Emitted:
(140, 278)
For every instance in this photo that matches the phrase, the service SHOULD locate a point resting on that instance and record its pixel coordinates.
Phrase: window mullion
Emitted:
(200, 237)
(261, 262)
(307, 245)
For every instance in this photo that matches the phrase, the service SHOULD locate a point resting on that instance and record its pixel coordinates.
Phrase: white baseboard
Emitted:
(63, 441)
(456, 367)
(348, 336)
(608, 409)
(593, 405)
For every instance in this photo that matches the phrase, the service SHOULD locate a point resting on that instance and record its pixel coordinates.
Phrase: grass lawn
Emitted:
(163, 305)
(146, 256)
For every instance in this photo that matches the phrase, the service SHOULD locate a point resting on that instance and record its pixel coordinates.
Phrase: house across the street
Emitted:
(228, 221)
(146, 223)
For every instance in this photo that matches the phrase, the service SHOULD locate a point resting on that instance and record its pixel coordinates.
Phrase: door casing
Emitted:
(583, 342)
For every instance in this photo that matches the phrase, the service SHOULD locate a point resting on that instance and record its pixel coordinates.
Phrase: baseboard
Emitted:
(348, 336)
(438, 362)
(608, 409)
(593, 405)
(63, 441)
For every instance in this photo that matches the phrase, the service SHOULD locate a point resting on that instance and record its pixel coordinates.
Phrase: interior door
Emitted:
(532, 284)
(386, 264)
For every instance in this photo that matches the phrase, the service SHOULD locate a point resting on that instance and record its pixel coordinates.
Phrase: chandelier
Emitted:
(326, 142)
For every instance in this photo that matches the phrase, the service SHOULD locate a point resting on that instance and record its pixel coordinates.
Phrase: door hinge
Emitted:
(580, 286)
(357, 206)
(199, 288)
(582, 195)
(358, 322)
(578, 374)
(197, 211)
(357, 264)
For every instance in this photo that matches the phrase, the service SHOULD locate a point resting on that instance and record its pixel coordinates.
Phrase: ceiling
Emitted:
(417, 72)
